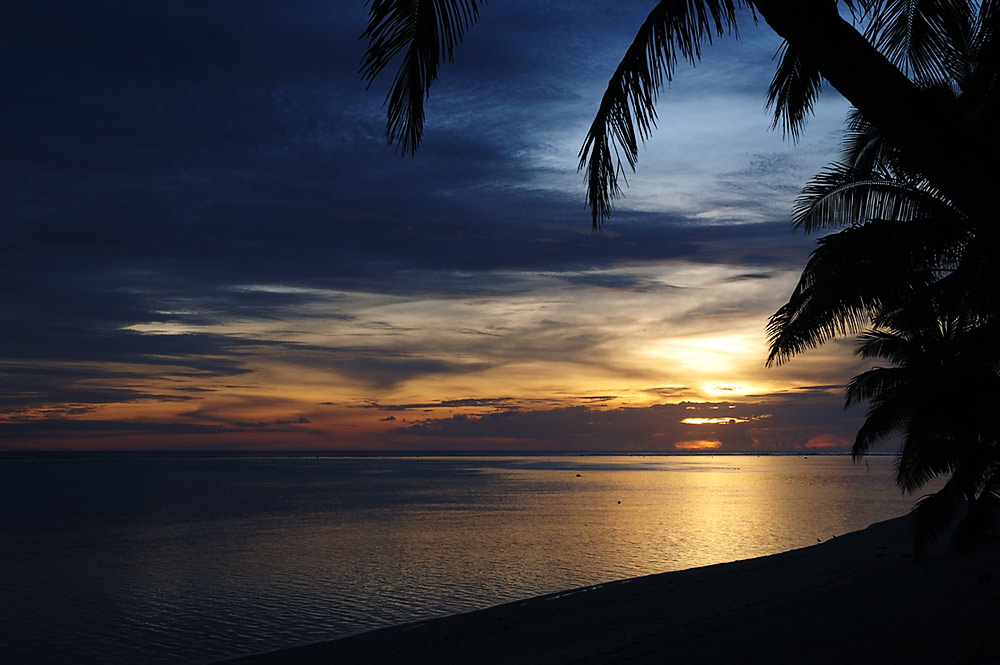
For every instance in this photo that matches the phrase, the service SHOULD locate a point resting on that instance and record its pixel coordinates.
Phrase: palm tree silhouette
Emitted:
(912, 270)
(939, 396)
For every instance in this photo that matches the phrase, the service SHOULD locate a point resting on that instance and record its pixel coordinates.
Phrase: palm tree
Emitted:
(939, 397)
(912, 270)
(902, 237)
(904, 41)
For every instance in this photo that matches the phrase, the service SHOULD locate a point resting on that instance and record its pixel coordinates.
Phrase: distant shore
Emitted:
(856, 599)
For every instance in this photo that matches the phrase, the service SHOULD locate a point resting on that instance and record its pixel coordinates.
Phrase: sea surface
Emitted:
(159, 559)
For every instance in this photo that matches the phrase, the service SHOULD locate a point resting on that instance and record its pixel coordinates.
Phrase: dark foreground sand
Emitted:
(858, 598)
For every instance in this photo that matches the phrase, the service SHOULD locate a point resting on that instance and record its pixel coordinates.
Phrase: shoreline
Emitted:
(857, 598)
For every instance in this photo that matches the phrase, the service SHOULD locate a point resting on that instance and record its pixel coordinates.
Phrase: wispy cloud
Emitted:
(211, 241)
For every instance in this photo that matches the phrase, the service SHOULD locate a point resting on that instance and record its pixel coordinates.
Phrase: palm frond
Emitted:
(864, 148)
(883, 419)
(811, 318)
(987, 26)
(858, 7)
(874, 383)
(888, 344)
(861, 276)
(918, 36)
(673, 30)
(792, 93)
(842, 195)
(845, 282)
(425, 31)
(925, 455)
(986, 49)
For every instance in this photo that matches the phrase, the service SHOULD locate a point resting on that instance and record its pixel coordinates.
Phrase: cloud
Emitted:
(14, 431)
(796, 423)
(301, 420)
(200, 212)
(496, 402)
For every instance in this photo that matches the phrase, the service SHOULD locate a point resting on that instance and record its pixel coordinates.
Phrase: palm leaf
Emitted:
(986, 50)
(846, 282)
(841, 195)
(865, 149)
(793, 91)
(425, 31)
(673, 30)
(987, 27)
(874, 383)
(858, 7)
(927, 452)
(885, 417)
(887, 344)
(918, 36)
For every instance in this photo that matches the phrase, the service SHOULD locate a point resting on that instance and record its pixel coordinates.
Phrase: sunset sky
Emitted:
(208, 245)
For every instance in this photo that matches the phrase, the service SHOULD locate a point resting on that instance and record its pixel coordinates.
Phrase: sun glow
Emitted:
(723, 391)
(716, 366)
(714, 421)
(700, 444)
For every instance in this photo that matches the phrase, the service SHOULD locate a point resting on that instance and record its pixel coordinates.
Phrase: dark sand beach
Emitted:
(857, 598)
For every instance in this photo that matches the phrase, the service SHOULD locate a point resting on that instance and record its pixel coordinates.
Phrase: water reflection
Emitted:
(194, 560)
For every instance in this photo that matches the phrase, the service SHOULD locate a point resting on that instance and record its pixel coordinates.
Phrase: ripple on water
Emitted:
(191, 561)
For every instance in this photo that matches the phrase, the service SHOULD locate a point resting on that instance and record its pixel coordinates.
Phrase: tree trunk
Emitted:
(932, 132)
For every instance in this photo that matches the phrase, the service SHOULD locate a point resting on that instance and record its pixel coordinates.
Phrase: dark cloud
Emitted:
(497, 402)
(667, 391)
(751, 276)
(384, 370)
(765, 426)
(270, 424)
(39, 428)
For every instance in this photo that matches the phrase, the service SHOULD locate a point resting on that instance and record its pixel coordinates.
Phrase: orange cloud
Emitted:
(701, 444)
(827, 442)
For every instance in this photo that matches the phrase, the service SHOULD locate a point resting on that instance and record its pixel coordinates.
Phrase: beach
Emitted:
(857, 598)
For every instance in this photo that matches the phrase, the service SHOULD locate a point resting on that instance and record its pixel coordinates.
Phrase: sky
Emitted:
(208, 245)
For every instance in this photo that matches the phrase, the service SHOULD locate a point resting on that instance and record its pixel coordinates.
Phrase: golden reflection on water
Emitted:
(667, 513)
(509, 530)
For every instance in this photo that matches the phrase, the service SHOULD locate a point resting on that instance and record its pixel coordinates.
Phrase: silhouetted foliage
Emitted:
(911, 273)
(939, 396)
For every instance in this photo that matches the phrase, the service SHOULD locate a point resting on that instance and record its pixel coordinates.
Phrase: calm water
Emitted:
(160, 560)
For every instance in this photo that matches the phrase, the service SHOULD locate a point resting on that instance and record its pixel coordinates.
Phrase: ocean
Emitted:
(192, 559)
